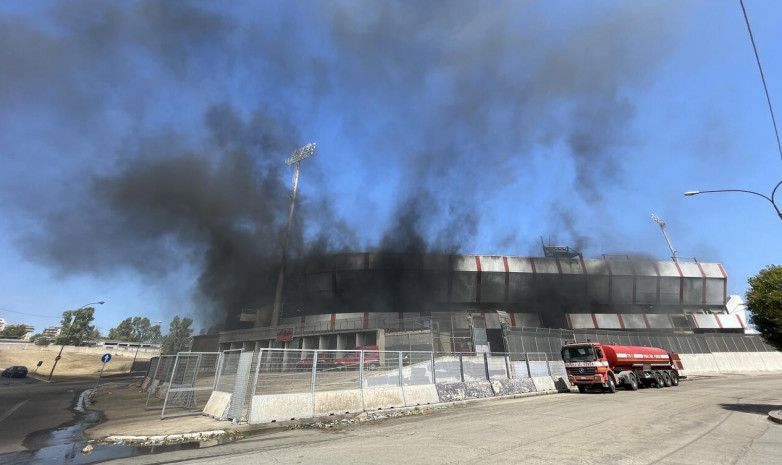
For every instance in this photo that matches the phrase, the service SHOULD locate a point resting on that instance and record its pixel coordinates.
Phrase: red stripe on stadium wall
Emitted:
(302, 320)
(719, 323)
(532, 262)
(621, 321)
(512, 319)
(724, 284)
(681, 283)
(366, 320)
(594, 320)
(646, 321)
(478, 279)
(569, 323)
(507, 279)
(704, 281)
(333, 320)
(740, 321)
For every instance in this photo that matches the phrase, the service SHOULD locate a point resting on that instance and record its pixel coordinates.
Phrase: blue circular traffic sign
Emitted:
(105, 358)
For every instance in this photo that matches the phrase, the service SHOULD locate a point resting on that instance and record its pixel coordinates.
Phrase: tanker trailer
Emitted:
(606, 366)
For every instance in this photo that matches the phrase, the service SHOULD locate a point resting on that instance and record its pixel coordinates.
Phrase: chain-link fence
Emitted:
(192, 381)
(550, 341)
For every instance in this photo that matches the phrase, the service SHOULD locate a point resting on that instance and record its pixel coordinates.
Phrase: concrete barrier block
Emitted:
(338, 402)
(420, 395)
(544, 383)
(698, 364)
(725, 361)
(280, 407)
(561, 383)
(145, 384)
(450, 392)
(773, 360)
(506, 387)
(383, 398)
(218, 404)
(477, 389)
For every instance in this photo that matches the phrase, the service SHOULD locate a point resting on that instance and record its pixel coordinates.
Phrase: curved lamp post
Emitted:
(59, 356)
(769, 199)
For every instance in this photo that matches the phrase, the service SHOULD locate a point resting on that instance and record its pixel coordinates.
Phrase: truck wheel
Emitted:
(611, 385)
(667, 379)
(581, 388)
(632, 383)
(674, 379)
(658, 379)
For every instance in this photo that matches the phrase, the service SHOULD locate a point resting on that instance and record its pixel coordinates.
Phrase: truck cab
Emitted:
(587, 366)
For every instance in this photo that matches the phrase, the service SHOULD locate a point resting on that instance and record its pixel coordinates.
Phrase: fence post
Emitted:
(173, 373)
(461, 368)
(361, 370)
(314, 368)
(486, 365)
(507, 366)
(257, 372)
(434, 374)
(548, 365)
(526, 360)
(400, 369)
(218, 371)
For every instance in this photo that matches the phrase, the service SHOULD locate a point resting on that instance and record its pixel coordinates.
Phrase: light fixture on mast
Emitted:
(667, 239)
(296, 158)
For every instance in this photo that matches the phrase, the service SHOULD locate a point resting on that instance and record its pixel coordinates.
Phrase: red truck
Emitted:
(606, 366)
(371, 358)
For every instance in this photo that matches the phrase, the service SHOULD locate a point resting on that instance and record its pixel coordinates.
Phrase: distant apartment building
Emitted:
(51, 332)
(2, 324)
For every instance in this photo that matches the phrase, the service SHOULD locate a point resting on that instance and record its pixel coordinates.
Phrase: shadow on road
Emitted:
(760, 409)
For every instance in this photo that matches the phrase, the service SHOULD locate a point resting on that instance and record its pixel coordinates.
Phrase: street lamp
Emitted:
(59, 356)
(296, 158)
(769, 199)
(139, 347)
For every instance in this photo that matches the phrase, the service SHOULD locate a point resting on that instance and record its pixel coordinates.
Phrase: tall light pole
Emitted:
(295, 159)
(70, 327)
(139, 347)
(769, 199)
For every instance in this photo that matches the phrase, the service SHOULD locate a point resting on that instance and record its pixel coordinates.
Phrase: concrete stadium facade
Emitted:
(460, 302)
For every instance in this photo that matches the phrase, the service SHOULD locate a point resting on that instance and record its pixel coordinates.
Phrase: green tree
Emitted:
(178, 337)
(76, 326)
(13, 332)
(764, 301)
(135, 329)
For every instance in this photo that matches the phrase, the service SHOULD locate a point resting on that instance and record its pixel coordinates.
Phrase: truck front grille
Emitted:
(582, 371)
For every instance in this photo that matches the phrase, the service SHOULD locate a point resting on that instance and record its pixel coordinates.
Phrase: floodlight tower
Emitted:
(295, 159)
(667, 239)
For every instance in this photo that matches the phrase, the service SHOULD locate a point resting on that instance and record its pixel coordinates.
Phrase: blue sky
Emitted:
(132, 135)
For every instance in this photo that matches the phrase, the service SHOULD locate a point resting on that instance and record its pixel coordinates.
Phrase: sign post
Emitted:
(106, 358)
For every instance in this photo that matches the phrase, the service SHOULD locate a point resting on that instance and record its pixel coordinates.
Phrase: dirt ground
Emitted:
(123, 407)
(71, 364)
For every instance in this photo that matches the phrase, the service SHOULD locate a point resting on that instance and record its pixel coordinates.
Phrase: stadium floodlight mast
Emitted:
(296, 158)
(769, 199)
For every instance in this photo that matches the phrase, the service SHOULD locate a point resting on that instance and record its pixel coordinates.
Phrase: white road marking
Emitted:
(12, 410)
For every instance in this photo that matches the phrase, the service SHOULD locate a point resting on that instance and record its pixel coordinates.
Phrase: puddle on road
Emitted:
(65, 443)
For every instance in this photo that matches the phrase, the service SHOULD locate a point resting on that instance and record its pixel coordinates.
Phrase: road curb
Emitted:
(775, 416)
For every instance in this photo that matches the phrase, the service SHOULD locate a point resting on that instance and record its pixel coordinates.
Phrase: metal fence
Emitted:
(550, 341)
(286, 371)
(192, 380)
(160, 375)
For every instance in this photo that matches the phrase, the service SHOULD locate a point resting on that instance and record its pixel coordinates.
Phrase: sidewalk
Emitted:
(124, 416)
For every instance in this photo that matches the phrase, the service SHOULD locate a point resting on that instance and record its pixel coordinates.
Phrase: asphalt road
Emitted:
(28, 406)
(703, 421)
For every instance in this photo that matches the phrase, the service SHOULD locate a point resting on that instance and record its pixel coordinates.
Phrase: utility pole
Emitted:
(295, 159)
(667, 239)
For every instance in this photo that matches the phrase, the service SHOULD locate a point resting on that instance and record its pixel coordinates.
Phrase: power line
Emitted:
(29, 314)
(763, 78)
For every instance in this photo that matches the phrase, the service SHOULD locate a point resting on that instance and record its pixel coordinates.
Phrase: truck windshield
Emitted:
(585, 353)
